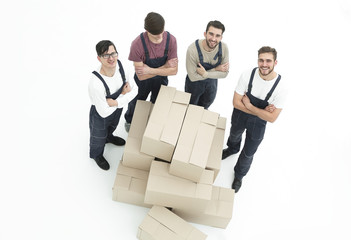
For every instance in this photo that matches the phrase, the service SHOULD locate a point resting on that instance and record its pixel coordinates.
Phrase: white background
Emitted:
(299, 184)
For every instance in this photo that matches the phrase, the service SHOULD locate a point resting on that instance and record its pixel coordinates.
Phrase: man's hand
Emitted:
(223, 67)
(201, 70)
(142, 70)
(270, 108)
(171, 63)
(126, 88)
(246, 101)
(111, 102)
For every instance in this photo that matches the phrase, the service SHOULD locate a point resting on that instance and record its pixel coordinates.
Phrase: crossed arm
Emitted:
(144, 72)
(242, 102)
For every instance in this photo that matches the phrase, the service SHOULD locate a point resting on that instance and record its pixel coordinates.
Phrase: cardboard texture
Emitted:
(194, 145)
(130, 185)
(215, 157)
(218, 212)
(164, 189)
(132, 157)
(165, 122)
(162, 224)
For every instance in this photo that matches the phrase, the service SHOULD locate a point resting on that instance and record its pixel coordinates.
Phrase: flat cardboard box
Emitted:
(218, 212)
(194, 145)
(162, 224)
(167, 190)
(132, 157)
(130, 185)
(165, 122)
(215, 157)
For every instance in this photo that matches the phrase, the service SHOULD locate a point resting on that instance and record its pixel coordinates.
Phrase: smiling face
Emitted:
(213, 36)
(109, 58)
(266, 63)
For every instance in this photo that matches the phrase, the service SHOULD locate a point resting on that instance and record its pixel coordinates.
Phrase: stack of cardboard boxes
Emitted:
(171, 159)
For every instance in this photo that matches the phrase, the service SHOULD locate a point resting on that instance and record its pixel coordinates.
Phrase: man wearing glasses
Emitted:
(154, 53)
(109, 92)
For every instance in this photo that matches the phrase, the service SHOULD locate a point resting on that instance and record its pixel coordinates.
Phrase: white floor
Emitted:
(299, 184)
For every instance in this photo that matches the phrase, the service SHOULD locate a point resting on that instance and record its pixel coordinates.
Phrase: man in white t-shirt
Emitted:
(109, 92)
(259, 97)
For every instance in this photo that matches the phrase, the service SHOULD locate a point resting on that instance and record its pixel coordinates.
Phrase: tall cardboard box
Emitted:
(218, 212)
(162, 224)
(162, 131)
(194, 145)
(130, 185)
(167, 190)
(132, 157)
(215, 157)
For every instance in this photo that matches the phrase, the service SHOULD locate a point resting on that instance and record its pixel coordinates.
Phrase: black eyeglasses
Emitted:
(107, 56)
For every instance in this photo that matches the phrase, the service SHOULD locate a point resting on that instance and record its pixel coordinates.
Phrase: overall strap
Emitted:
(273, 88)
(103, 81)
(219, 53)
(201, 57)
(121, 71)
(167, 44)
(144, 45)
(251, 79)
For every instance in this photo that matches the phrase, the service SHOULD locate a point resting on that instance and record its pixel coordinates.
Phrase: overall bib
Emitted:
(101, 129)
(255, 129)
(153, 84)
(203, 92)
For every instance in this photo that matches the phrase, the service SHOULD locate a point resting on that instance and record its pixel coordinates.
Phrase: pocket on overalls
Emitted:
(99, 127)
(259, 128)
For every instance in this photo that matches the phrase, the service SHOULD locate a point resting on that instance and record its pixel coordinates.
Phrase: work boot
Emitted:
(127, 126)
(236, 185)
(102, 163)
(116, 140)
(226, 153)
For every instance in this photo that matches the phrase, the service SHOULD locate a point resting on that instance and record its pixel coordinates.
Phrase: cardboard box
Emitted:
(162, 224)
(166, 119)
(194, 145)
(167, 190)
(132, 157)
(215, 157)
(130, 185)
(218, 212)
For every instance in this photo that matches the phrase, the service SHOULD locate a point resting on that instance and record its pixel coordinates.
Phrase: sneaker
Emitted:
(102, 163)
(236, 185)
(226, 153)
(127, 126)
(116, 141)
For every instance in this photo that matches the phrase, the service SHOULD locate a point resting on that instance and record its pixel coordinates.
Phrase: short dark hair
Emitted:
(267, 49)
(215, 24)
(103, 46)
(154, 23)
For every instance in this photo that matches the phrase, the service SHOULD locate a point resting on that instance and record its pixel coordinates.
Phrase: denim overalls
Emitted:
(102, 128)
(153, 84)
(203, 92)
(255, 129)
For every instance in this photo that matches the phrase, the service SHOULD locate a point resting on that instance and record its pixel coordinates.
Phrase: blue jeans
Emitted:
(255, 129)
(203, 92)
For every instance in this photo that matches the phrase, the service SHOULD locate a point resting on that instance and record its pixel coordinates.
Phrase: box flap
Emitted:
(210, 117)
(221, 123)
(140, 118)
(133, 172)
(173, 124)
(182, 97)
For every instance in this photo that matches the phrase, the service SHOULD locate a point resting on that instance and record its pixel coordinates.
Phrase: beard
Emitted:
(208, 43)
(269, 72)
